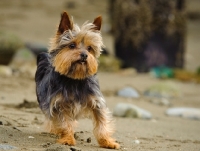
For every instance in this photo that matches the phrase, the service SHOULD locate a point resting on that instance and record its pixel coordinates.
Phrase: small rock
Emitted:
(1, 123)
(6, 147)
(49, 143)
(165, 102)
(89, 140)
(128, 92)
(44, 133)
(163, 90)
(46, 145)
(136, 141)
(27, 104)
(16, 129)
(130, 110)
(75, 148)
(57, 147)
(24, 63)
(31, 137)
(185, 112)
(161, 101)
(76, 136)
(5, 71)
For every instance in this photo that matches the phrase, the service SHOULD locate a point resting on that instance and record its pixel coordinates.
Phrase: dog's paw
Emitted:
(67, 141)
(109, 143)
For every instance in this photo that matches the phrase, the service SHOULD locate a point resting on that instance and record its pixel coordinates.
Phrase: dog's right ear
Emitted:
(65, 23)
(97, 22)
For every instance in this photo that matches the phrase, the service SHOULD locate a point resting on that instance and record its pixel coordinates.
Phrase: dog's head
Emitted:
(75, 50)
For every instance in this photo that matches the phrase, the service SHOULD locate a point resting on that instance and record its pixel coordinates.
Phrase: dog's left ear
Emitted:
(97, 23)
(65, 23)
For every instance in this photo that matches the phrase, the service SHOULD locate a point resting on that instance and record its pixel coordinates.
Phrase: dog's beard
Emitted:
(72, 65)
(78, 70)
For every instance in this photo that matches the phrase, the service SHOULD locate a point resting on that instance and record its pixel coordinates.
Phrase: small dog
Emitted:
(66, 83)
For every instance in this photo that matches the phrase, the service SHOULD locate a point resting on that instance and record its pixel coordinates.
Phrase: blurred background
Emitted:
(149, 67)
(141, 34)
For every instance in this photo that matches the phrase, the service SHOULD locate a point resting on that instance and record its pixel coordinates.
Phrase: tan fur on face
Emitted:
(65, 61)
(76, 34)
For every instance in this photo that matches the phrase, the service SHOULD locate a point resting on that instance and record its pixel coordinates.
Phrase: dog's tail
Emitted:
(42, 77)
(43, 63)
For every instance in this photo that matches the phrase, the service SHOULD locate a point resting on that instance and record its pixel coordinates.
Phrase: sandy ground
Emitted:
(21, 124)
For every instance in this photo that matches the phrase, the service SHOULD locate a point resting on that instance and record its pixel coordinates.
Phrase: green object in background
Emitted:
(109, 63)
(163, 89)
(9, 44)
(198, 71)
(162, 72)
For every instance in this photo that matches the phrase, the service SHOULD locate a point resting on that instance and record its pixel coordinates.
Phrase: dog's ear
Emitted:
(97, 23)
(65, 23)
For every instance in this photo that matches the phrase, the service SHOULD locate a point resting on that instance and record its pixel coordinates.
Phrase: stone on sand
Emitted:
(128, 92)
(130, 110)
(185, 112)
(5, 71)
(164, 89)
(6, 147)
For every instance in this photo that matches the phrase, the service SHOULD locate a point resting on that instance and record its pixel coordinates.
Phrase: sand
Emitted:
(21, 120)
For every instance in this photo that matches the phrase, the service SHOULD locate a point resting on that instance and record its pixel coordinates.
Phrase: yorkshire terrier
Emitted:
(66, 84)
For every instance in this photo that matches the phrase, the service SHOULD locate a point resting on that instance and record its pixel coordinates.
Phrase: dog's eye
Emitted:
(89, 48)
(72, 46)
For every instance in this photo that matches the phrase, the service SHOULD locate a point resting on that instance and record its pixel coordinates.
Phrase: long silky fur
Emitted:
(64, 98)
(86, 29)
(50, 84)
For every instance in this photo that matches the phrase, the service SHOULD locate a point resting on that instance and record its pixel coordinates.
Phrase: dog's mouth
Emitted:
(82, 62)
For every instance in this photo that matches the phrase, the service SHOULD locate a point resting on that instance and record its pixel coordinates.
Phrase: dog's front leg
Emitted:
(64, 128)
(103, 127)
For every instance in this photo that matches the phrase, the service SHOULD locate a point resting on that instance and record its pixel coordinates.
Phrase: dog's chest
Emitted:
(78, 91)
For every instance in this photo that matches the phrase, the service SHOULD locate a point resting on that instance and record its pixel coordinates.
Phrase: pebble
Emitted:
(163, 90)
(89, 140)
(136, 141)
(5, 71)
(128, 92)
(185, 112)
(130, 110)
(161, 101)
(76, 136)
(165, 102)
(31, 137)
(6, 147)
(75, 148)
(24, 63)
(46, 144)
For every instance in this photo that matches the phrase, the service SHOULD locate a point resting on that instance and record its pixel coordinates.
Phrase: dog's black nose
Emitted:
(84, 56)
